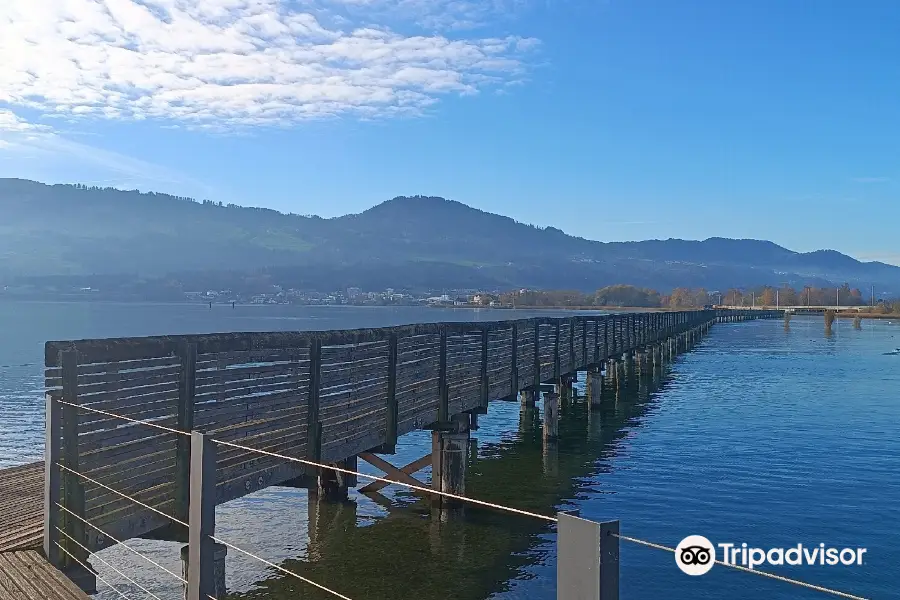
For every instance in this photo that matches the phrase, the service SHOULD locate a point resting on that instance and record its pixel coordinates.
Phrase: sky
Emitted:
(609, 119)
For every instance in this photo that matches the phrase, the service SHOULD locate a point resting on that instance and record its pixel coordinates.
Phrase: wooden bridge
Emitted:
(114, 469)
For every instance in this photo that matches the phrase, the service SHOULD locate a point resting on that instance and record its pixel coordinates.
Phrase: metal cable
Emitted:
(810, 586)
(129, 419)
(127, 547)
(282, 569)
(114, 588)
(118, 493)
(392, 481)
(83, 547)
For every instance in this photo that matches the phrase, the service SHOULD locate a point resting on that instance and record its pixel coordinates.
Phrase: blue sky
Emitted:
(612, 120)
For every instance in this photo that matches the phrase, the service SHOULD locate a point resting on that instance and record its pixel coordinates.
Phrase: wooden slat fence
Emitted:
(322, 395)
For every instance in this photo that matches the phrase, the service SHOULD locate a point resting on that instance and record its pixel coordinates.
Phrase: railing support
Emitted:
(52, 482)
(204, 579)
(587, 559)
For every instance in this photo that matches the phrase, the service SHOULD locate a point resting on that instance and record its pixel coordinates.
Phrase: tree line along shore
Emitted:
(628, 296)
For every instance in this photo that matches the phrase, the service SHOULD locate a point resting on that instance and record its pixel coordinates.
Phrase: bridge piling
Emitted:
(449, 460)
(551, 416)
(527, 398)
(334, 485)
(595, 389)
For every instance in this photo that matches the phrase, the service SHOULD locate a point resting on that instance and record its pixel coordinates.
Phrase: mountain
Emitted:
(71, 233)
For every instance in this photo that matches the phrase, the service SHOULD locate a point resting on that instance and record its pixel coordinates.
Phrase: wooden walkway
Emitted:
(22, 507)
(326, 396)
(323, 396)
(24, 572)
(26, 575)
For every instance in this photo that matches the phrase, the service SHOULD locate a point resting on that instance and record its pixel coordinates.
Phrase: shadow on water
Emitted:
(412, 553)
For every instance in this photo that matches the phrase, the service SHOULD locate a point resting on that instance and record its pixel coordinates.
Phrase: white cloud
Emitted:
(228, 64)
(11, 123)
(438, 14)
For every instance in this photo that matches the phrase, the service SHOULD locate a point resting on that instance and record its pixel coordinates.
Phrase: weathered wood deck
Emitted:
(22, 507)
(26, 575)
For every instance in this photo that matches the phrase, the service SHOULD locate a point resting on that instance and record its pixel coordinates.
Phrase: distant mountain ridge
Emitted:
(406, 243)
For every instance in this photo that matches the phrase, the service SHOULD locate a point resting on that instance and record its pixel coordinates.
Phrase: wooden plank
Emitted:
(26, 575)
(130, 432)
(21, 507)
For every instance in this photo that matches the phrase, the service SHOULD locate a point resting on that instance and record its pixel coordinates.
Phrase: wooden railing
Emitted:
(323, 396)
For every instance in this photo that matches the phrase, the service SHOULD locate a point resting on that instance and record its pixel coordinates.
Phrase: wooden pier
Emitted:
(25, 573)
(328, 397)
(22, 507)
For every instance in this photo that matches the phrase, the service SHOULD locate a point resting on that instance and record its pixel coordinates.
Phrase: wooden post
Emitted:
(187, 355)
(572, 365)
(587, 559)
(595, 380)
(584, 345)
(443, 388)
(392, 411)
(485, 382)
(551, 415)
(537, 354)
(556, 359)
(52, 482)
(202, 550)
(526, 397)
(72, 484)
(333, 486)
(313, 425)
(514, 368)
(449, 460)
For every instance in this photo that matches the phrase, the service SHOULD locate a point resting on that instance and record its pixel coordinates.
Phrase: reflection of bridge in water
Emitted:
(410, 555)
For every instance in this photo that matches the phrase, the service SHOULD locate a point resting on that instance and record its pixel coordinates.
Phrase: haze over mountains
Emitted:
(420, 243)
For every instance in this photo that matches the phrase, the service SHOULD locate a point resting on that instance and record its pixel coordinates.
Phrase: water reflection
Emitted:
(412, 553)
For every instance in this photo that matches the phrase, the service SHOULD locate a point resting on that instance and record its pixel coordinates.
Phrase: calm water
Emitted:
(759, 435)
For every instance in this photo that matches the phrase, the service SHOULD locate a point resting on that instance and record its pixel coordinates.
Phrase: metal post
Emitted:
(587, 559)
(52, 482)
(609, 560)
(202, 519)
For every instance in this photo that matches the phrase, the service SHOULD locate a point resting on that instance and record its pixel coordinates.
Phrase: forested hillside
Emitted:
(79, 233)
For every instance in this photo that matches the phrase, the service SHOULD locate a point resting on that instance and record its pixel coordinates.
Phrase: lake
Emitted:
(760, 435)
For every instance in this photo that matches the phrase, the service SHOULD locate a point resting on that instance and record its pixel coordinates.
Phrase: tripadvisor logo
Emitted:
(696, 555)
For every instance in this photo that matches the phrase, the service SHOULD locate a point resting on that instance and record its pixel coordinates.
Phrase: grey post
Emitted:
(202, 519)
(587, 559)
(52, 481)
